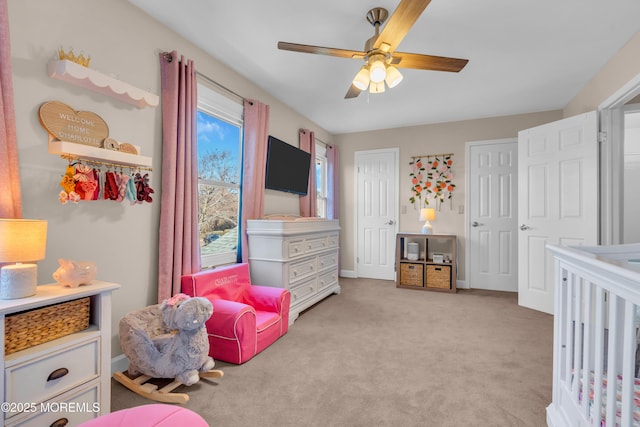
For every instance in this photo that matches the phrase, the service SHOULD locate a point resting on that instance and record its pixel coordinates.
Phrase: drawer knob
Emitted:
(58, 373)
(60, 423)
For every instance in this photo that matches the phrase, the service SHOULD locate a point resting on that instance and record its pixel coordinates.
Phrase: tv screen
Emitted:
(287, 167)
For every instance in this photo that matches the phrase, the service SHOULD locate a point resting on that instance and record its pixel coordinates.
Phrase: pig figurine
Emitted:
(74, 273)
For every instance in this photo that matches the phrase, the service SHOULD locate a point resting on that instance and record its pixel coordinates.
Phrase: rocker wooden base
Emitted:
(139, 385)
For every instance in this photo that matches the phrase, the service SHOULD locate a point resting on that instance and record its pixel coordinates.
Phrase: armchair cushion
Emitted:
(246, 318)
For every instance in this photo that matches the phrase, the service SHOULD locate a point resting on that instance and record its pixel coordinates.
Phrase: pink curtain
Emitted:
(179, 244)
(256, 134)
(333, 194)
(10, 199)
(308, 203)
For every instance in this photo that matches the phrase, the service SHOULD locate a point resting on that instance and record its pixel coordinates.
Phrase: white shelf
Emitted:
(88, 152)
(94, 80)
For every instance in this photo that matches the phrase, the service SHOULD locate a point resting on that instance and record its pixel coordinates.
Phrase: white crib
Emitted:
(595, 369)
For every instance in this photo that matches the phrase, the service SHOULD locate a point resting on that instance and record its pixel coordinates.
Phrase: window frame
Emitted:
(321, 196)
(221, 107)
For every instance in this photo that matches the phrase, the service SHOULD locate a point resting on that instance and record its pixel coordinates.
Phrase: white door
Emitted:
(377, 212)
(493, 215)
(558, 200)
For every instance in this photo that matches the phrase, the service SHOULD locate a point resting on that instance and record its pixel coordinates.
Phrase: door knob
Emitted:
(524, 227)
(475, 224)
(390, 222)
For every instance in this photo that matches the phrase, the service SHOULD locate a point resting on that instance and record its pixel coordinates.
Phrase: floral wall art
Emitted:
(431, 179)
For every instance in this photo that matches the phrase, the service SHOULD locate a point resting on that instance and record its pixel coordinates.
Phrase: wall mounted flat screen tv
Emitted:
(287, 167)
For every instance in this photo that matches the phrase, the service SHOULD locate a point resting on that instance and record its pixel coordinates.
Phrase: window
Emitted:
(219, 128)
(321, 179)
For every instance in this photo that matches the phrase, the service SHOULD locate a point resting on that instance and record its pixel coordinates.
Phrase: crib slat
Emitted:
(577, 338)
(560, 332)
(587, 349)
(569, 330)
(599, 357)
(628, 363)
(615, 304)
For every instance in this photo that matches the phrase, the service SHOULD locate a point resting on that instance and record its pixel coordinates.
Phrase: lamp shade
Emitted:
(427, 214)
(376, 87)
(361, 80)
(393, 77)
(377, 71)
(22, 240)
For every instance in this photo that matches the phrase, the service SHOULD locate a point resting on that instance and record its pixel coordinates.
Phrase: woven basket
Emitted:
(411, 274)
(33, 327)
(439, 276)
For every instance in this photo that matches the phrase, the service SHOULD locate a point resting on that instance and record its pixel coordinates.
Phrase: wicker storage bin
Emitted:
(33, 327)
(411, 274)
(439, 276)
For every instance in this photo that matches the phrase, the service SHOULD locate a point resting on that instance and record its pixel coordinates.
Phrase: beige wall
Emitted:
(437, 138)
(123, 42)
(620, 69)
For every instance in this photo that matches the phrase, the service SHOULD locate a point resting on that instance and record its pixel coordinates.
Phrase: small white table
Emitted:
(27, 397)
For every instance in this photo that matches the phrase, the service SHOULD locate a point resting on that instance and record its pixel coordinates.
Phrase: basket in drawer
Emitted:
(37, 326)
(439, 276)
(411, 274)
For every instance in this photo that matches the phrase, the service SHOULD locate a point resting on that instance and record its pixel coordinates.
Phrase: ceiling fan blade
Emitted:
(399, 24)
(353, 92)
(305, 48)
(428, 62)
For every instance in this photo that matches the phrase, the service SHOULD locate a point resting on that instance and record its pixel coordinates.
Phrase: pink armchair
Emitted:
(246, 318)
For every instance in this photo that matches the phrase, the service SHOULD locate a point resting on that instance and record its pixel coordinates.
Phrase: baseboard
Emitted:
(461, 284)
(119, 363)
(350, 274)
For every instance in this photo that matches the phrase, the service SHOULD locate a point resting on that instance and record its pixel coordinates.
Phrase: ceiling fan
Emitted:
(380, 56)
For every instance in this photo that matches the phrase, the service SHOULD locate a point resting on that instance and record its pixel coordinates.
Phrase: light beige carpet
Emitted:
(376, 355)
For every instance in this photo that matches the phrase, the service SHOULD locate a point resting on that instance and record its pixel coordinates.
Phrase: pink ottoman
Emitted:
(154, 415)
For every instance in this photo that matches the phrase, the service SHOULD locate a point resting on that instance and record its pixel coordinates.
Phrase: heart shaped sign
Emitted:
(66, 124)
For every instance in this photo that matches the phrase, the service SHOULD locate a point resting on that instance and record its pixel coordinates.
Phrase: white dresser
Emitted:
(300, 255)
(66, 381)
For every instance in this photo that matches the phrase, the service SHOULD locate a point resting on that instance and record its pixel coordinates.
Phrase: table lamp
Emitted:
(22, 242)
(426, 215)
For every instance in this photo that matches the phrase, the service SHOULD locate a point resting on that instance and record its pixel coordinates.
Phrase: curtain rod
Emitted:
(316, 138)
(432, 155)
(218, 85)
(169, 57)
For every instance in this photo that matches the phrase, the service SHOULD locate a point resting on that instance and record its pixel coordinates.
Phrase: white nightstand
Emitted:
(29, 397)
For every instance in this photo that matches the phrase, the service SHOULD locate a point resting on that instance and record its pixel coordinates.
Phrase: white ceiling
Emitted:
(524, 55)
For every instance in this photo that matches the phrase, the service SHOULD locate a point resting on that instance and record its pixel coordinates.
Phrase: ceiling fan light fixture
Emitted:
(376, 87)
(361, 80)
(393, 77)
(377, 71)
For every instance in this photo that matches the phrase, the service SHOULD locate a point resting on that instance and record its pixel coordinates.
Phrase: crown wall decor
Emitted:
(70, 56)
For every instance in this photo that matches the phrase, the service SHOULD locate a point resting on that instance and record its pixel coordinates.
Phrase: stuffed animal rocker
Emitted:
(167, 340)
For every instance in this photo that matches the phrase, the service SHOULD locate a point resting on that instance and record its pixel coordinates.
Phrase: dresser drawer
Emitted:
(303, 291)
(327, 279)
(300, 269)
(77, 406)
(30, 381)
(295, 248)
(334, 240)
(327, 261)
(316, 244)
